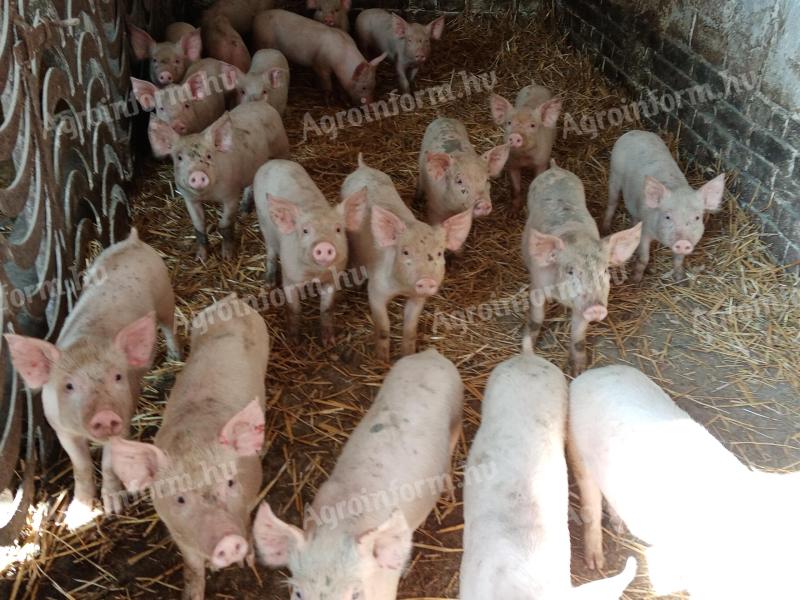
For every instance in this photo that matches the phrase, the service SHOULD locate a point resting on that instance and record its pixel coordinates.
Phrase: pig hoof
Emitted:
(595, 560)
(228, 252)
(409, 348)
(382, 354)
(202, 253)
(112, 501)
(328, 337)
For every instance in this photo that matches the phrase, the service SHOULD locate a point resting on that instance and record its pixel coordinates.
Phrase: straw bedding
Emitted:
(737, 373)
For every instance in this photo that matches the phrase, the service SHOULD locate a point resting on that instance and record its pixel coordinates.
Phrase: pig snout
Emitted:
(324, 253)
(198, 180)
(515, 140)
(230, 549)
(164, 77)
(328, 20)
(596, 312)
(682, 247)
(482, 208)
(420, 58)
(104, 424)
(179, 127)
(426, 286)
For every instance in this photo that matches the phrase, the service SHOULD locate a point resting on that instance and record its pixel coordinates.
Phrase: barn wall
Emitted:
(746, 56)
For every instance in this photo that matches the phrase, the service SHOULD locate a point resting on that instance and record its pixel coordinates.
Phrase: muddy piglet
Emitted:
(331, 12)
(327, 50)
(452, 176)
(193, 104)
(713, 526)
(267, 79)
(402, 256)
(223, 42)
(516, 492)
(530, 129)
(567, 260)
(203, 468)
(91, 377)
(168, 60)
(307, 234)
(656, 193)
(407, 45)
(357, 537)
(219, 164)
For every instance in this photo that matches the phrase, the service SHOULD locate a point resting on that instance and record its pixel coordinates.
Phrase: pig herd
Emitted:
(219, 118)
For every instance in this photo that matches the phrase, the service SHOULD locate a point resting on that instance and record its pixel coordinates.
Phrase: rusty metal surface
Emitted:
(63, 164)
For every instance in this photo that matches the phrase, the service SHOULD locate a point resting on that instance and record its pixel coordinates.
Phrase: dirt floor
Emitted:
(725, 346)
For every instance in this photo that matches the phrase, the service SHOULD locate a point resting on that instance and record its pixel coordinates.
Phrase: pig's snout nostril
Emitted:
(482, 208)
(427, 286)
(597, 312)
(682, 247)
(165, 77)
(198, 180)
(179, 127)
(230, 549)
(324, 253)
(515, 139)
(105, 423)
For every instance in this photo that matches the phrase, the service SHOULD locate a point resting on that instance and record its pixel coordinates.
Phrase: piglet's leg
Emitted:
(227, 224)
(578, 343)
(198, 217)
(380, 319)
(327, 302)
(293, 308)
(111, 490)
(405, 86)
(591, 509)
(77, 448)
(642, 258)
(516, 185)
(678, 271)
(535, 316)
(194, 576)
(413, 309)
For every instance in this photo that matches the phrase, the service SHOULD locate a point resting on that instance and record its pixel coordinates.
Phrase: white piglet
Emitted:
(516, 540)
(714, 527)
(657, 194)
(357, 537)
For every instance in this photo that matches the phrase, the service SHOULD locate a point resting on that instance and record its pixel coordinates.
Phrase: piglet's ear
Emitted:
(136, 463)
(436, 28)
(136, 340)
(275, 77)
(244, 433)
(192, 45)
(162, 137)
(274, 539)
(283, 213)
(354, 208)
(654, 192)
(622, 244)
(550, 111)
(32, 358)
(712, 192)
(141, 42)
(456, 230)
(544, 247)
(496, 159)
(500, 108)
(437, 164)
(144, 92)
(389, 543)
(386, 227)
(398, 26)
(196, 86)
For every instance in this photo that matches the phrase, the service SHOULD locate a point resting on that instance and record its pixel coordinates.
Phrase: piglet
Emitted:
(219, 164)
(392, 470)
(530, 128)
(452, 176)
(516, 539)
(203, 468)
(308, 235)
(402, 256)
(168, 60)
(223, 42)
(327, 50)
(657, 194)
(268, 79)
(567, 260)
(407, 45)
(714, 527)
(240, 13)
(195, 103)
(331, 12)
(91, 377)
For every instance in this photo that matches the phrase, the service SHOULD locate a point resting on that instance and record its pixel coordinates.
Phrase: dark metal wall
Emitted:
(65, 156)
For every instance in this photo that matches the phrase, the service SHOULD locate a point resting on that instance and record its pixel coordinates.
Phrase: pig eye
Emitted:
(338, 230)
(439, 254)
(118, 377)
(667, 217)
(181, 500)
(697, 218)
(405, 252)
(305, 231)
(356, 596)
(177, 61)
(508, 123)
(230, 483)
(208, 157)
(297, 595)
(69, 387)
(186, 105)
(180, 157)
(570, 271)
(161, 109)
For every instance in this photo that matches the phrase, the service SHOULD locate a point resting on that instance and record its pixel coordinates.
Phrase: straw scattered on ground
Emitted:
(316, 397)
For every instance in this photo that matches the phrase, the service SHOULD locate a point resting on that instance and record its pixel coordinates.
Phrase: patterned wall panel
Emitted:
(65, 156)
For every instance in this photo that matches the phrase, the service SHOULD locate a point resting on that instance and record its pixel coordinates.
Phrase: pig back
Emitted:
(225, 371)
(402, 443)
(448, 136)
(126, 281)
(532, 96)
(175, 31)
(557, 203)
